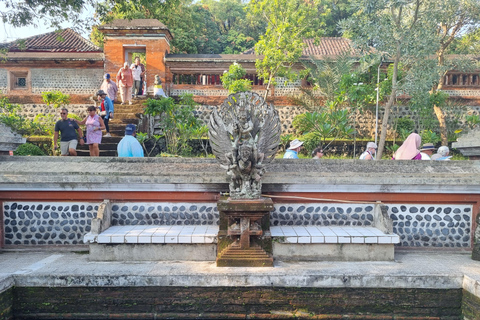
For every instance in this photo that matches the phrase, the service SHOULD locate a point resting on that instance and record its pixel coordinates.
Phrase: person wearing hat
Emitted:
(109, 87)
(292, 152)
(129, 145)
(427, 150)
(106, 109)
(369, 152)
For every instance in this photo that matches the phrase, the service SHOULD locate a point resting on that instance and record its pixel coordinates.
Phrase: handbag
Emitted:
(103, 113)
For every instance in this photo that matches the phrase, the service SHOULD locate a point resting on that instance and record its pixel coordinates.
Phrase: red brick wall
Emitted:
(155, 50)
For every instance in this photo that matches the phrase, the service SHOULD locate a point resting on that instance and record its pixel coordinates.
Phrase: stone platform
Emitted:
(422, 274)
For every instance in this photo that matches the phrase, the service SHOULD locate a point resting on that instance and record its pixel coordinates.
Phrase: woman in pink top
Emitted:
(125, 83)
(95, 126)
(409, 150)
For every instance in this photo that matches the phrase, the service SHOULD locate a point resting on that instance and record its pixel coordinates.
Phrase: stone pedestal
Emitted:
(9, 141)
(244, 238)
(469, 144)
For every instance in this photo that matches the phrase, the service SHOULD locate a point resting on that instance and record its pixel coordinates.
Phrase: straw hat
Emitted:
(295, 144)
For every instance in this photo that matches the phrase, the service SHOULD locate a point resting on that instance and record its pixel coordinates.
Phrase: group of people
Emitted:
(130, 80)
(72, 134)
(409, 150)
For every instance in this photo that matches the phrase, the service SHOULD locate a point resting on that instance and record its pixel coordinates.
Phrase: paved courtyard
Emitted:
(409, 270)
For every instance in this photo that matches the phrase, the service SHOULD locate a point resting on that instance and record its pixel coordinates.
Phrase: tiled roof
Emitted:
(65, 41)
(327, 46)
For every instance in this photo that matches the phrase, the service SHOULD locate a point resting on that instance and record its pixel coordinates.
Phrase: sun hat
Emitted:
(428, 146)
(295, 144)
(372, 145)
(101, 93)
(107, 76)
(130, 129)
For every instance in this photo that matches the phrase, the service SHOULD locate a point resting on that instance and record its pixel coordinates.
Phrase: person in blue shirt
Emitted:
(106, 109)
(292, 152)
(129, 145)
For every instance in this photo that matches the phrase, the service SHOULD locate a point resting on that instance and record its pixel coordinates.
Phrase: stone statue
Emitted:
(244, 135)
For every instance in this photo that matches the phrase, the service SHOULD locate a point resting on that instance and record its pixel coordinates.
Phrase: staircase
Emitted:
(123, 115)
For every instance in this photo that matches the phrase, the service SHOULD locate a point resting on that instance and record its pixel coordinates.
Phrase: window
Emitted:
(19, 80)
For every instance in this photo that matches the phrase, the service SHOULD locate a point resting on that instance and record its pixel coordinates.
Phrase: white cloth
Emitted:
(136, 71)
(363, 155)
(425, 156)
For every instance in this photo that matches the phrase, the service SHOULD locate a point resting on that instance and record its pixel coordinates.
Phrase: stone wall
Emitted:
(236, 303)
(31, 110)
(3, 81)
(71, 81)
(49, 223)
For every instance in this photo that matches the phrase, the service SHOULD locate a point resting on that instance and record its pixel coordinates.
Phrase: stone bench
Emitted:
(334, 234)
(155, 234)
(353, 240)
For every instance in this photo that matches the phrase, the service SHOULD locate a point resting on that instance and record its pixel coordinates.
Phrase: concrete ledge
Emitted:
(6, 282)
(155, 234)
(333, 252)
(153, 252)
(335, 234)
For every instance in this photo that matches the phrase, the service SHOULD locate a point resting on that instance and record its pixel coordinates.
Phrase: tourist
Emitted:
(369, 152)
(134, 67)
(442, 154)
(409, 149)
(68, 129)
(292, 152)
(106, 109)
(427, 151)
(110, 88)
(129, 145)
(317, 153)
(125, 83)
(95, 126)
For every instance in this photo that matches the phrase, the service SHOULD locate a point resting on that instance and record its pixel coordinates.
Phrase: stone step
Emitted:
(103, 153)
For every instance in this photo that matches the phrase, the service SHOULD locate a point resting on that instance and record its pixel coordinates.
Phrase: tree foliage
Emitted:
(288, 23)
(233, 79)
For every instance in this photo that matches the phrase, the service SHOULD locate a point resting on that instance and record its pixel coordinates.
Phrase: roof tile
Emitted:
(65, 41)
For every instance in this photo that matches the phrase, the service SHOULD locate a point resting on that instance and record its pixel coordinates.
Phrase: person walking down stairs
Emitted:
(106, 109)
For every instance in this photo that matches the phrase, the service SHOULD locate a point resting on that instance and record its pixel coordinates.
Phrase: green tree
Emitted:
(233, 80)
(289, 22)
(396, 29)
(451, 18)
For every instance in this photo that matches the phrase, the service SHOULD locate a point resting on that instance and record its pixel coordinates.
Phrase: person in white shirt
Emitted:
(137, 77)
(369, 153)
(427, 151)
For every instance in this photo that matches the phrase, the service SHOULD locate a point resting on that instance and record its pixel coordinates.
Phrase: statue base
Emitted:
(244, 238)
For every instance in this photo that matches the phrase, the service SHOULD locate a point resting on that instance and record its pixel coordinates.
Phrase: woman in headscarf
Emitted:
(409, 150)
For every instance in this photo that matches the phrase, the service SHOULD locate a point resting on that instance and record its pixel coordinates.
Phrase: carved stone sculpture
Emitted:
(244, 135)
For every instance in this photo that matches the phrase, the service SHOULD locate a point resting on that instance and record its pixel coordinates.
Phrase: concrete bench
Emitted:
(198, 242)
(332, 234)
(155, 234)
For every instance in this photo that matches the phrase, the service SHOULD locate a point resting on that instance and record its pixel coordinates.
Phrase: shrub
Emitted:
(28, 149)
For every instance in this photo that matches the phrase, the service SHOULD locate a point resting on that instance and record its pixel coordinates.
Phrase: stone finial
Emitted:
(469, 144)
(9, 140)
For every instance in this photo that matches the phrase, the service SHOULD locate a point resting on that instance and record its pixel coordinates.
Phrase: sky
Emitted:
(9, 33)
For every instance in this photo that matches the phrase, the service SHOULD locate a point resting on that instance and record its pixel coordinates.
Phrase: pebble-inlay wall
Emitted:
(165, 214)
(432, 225)
(72, 81)
(426, 225)
(3, 80)
(315, 214)
(65, 223)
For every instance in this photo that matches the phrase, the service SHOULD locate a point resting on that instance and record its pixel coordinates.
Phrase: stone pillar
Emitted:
(469, 144)
(476, 240)
(9, 140)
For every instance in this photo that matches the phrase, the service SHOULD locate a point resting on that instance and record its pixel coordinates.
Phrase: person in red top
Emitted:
(125, 83)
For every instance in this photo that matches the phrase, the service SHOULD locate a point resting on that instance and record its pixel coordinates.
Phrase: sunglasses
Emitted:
(63, 113)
